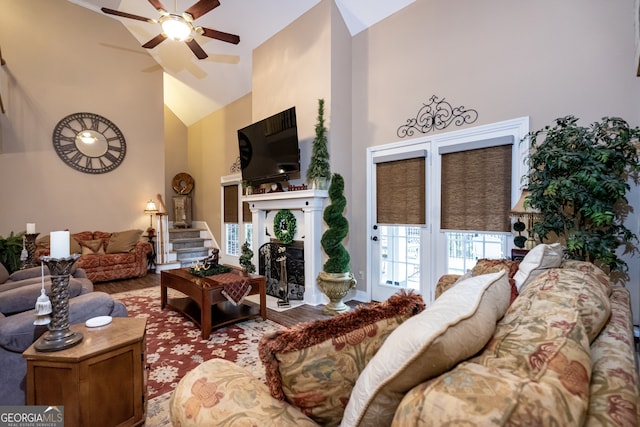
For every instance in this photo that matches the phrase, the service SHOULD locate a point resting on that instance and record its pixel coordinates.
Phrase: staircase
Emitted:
(187, 245)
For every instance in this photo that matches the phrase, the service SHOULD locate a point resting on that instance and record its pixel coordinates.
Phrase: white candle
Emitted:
(59, 244)
(31, 228)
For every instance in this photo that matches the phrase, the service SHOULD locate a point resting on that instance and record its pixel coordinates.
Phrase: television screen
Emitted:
(269, 149)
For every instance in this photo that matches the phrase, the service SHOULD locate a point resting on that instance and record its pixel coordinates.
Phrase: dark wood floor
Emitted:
(304, 313)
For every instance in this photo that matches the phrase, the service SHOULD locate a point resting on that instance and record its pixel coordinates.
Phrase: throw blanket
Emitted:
(235, 287)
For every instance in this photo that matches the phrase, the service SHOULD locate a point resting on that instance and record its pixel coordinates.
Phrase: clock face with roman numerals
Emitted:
(89, 143)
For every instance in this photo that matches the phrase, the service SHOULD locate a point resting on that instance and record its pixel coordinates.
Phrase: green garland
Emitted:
(211, 271)
(284, 226)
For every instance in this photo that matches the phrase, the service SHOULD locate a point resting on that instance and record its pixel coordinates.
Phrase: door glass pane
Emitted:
(465, 249)
(400, 256)
(232, 246)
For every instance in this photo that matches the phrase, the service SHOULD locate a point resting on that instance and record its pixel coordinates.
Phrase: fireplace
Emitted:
(307, 206)
(293, 276)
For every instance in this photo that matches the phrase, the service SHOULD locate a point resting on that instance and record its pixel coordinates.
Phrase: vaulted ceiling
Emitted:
(195, 88)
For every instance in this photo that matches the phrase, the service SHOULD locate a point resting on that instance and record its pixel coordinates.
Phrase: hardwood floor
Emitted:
(304, 313)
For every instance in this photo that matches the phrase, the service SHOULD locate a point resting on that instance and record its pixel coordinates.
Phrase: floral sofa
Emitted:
(545, 341)
(106, 256)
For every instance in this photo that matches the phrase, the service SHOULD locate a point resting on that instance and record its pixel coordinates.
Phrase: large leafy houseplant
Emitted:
(10, 250)
(578, 180)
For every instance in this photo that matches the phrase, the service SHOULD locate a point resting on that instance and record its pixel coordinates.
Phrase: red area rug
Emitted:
(174, 344)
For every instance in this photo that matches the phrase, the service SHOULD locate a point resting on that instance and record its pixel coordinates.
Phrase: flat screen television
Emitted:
(269, 149)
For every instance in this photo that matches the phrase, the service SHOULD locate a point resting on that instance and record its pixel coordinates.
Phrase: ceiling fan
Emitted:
(180, 26)
(2, 62)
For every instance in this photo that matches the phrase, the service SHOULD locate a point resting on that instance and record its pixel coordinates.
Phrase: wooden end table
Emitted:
(205, 304)
(100, 382)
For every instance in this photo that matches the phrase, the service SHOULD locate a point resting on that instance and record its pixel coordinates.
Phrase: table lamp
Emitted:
(529, 213)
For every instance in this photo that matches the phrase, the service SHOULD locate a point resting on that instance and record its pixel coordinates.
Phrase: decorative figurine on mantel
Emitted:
(183, 185)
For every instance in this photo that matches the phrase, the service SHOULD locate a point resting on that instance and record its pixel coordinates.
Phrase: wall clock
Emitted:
(89, 143)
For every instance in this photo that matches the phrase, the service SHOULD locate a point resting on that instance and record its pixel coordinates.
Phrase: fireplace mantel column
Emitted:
(311, 203)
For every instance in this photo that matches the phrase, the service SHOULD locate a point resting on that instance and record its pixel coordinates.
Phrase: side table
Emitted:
(100, 382)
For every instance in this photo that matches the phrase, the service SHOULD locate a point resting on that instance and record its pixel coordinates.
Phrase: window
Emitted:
(236, 229)
(464, 249)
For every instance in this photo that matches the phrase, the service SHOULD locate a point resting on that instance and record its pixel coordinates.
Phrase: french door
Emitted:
(399, 240)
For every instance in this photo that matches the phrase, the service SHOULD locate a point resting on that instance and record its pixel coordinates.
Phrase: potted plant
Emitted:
(318, 173)
(246, 259)
(335, 281)
(10, 250)
(578, 180)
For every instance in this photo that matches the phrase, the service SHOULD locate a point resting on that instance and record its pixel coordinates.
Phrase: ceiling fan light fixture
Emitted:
(175, 27)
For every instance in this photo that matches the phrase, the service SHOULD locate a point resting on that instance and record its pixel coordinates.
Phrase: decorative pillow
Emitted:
(74, 242)
(454, 328)
(123, 241)
(485, 266)
(92, 247)
(537, 260)
(43, 242)
(315, 365)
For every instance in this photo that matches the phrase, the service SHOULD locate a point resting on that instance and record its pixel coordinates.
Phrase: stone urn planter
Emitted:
(336, 286)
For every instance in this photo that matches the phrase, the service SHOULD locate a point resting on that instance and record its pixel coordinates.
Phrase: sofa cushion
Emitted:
(218, 392)
(537, 260)
(123, 241)
(315, 365)
(119, 259)
(74, 243)
(534, 371)
(102, 235)
(92, 247)
(456, 326)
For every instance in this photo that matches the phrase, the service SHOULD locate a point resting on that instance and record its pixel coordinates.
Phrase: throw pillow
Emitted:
(455, 327)
(537, 260)
(92, 247)
(315, 365)
(74, 242)
(123, 241)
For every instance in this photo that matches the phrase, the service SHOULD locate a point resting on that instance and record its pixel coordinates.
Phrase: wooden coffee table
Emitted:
(204, 302)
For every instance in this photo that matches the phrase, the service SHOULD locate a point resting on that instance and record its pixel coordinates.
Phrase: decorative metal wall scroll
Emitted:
(437, 115)
(235, 167)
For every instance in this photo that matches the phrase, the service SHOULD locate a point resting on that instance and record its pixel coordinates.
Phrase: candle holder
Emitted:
(59, 335)
(30, 246)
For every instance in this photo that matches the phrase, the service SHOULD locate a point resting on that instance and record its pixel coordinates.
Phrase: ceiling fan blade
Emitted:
(158, 5)
(127, 15)
(2, 61)
(1, 106)
(202, 7)
(154, 41)
(196, 49)
(219, 35)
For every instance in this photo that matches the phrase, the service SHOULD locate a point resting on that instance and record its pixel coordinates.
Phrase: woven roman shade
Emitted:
(246, 212)
(230, 204)
(476, 189)
(400, 191)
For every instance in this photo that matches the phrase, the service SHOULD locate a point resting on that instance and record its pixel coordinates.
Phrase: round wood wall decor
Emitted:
(182, 183)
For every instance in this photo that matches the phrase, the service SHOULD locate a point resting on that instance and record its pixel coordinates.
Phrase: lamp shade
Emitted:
(151, 208)
(520, 210)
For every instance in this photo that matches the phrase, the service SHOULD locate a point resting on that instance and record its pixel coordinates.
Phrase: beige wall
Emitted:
(63, 59)
(506, 59)
(212, 150)
(176, 143)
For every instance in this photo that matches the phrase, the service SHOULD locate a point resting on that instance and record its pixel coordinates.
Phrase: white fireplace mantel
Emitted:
(311, 203)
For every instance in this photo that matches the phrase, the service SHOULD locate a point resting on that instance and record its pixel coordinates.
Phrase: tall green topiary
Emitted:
(319, 164)
(246, 259)
(332, 238)
(578, 179)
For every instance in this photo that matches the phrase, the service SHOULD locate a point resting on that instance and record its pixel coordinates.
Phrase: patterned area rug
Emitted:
(174, 347)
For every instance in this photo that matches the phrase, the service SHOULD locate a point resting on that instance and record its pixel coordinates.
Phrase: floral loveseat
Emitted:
(106, 256)
(559, 352)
